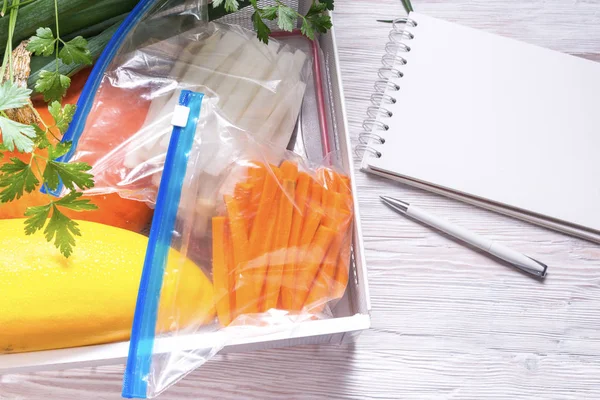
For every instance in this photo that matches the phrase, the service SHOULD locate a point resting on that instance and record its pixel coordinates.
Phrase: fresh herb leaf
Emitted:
(316, 8)
(322, 23)
(230, 5)
(17, 135)
(62, 229)
(72, 201)
(37, 218)
(41, 137)
(60, 149)
(17, 177)
(62, 116)
(286, 18)
(262, 30)
(328, 4)
(315, 23)
(269, 13)
(52, 84)
(13, 95)
(71, 174)
(76, 51)
(43, 43)
(307, 29)
(315, 20)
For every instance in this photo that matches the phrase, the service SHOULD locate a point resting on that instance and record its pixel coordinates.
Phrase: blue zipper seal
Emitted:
(88, 93)
(135, 380)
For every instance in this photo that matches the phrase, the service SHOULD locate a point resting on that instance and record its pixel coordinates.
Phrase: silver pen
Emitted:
(515, 258)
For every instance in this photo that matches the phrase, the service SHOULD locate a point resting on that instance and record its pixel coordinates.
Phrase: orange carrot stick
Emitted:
(327, 179)
(289, 170)
(300, 208)
(261, 262)
(344, 185)
(317, 251)
(316, 193)
(277, 256)
(256, 178)
(332, 207)
(343, 263)
(325, 282)
(243, 194)
(230, 268)
(239, 240)
(219, 270)
(261, 235)
(334, 219)
(309, 229)
(342, 272)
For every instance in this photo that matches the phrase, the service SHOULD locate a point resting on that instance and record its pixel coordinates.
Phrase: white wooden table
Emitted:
(448, 322)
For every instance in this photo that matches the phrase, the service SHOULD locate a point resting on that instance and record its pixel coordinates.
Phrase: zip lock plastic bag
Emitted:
(122, 125)
(277, 245)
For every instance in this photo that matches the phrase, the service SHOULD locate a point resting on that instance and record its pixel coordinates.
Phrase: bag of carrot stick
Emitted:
(271, 229)
(123, 120)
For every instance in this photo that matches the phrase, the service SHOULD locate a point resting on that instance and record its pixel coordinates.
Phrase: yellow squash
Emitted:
(50, 302)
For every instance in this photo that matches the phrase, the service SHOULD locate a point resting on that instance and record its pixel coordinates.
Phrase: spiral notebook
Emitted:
(489, 120)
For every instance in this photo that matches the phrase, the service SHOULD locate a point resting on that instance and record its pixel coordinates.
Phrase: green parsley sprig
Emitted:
(315, 20)
(52, 84)
(18, 177)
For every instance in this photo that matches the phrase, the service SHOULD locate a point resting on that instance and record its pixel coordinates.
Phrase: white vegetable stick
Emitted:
(264, 102)
(298, 64)
(219, 73)
(283, 133)
(191, 52)
(249, 57)
(140, 144)
(221, 159)
(291, 102)
(270, 121)
(283, 99)
(246, 89)
(206, 63)
(209, 59)
(161, 109)
(178, 71)
(204, 211)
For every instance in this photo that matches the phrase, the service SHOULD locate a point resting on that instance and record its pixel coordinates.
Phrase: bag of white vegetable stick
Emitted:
(125, 112)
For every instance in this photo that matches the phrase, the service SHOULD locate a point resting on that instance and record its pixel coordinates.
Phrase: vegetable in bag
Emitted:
(253, 87)
(278, 242)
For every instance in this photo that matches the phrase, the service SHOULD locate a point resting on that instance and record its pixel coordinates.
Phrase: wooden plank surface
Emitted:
(448, 322)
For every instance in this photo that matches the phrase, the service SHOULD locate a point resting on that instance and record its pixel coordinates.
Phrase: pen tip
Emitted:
(396, 204)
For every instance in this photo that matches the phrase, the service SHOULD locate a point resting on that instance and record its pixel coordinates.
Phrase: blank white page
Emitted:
(498, 119)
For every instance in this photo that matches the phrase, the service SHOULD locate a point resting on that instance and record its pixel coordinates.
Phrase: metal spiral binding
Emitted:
(373, 133)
